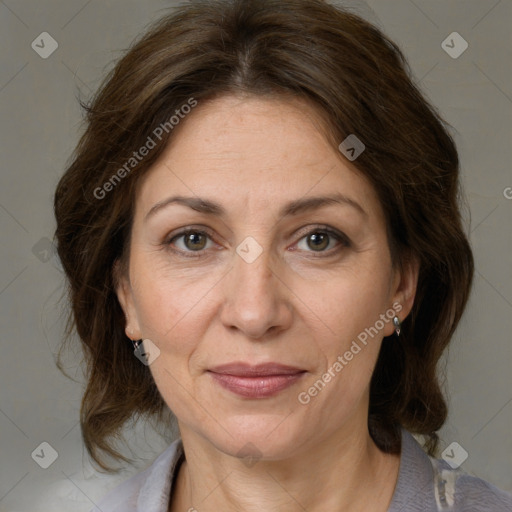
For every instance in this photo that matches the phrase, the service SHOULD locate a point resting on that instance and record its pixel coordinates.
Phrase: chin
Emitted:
(266, 437)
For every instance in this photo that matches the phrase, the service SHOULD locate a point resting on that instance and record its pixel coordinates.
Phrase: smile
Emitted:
(259, 381)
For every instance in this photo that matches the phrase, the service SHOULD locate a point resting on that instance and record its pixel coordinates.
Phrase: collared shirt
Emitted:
(424, 484)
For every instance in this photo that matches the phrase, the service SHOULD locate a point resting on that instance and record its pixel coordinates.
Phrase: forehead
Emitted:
(254, 151)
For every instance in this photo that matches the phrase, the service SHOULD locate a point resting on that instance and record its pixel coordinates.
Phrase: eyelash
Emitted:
(338, 236)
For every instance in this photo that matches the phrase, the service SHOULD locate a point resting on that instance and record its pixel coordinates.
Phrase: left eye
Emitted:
(318, 241)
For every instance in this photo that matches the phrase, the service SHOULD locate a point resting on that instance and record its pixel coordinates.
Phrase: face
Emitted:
(260, 268)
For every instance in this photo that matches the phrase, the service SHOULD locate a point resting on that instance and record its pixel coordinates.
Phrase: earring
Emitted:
(397, 324)
(136, 343)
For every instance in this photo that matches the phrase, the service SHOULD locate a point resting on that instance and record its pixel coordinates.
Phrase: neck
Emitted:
(343, 472)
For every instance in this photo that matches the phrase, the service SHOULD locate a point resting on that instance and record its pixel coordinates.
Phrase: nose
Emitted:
(256, 300)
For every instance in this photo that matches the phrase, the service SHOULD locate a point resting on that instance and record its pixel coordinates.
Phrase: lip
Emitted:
(256, 381)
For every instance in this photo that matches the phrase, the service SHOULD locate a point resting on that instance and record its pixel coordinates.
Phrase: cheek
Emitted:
(348, 311)
(170, 305)
(347, 305)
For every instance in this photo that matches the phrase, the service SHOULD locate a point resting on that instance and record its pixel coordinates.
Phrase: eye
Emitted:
(191, 241)
(322, 240)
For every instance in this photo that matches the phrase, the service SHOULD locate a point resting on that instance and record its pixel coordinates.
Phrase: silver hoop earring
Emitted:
(397, 324)
(136, 344)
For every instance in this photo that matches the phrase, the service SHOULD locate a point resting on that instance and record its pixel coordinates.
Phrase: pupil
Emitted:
(318, 241)
(194, 241)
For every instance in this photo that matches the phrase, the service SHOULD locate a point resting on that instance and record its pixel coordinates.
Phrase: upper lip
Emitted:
(247, 370)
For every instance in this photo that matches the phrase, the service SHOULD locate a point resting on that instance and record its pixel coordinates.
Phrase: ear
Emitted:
(405, 282)
(125, 296)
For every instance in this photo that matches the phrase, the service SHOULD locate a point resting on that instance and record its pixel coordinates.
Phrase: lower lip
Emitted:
(256, 387)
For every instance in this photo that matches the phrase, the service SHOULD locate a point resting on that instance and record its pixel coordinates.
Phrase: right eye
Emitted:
(191, 241)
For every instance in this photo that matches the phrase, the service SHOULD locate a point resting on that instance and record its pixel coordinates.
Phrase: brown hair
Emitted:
(358, 80)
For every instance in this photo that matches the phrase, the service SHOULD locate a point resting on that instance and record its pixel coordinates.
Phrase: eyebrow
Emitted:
(296, 207)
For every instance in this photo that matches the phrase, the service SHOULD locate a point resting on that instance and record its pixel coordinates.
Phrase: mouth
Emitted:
(256, 381)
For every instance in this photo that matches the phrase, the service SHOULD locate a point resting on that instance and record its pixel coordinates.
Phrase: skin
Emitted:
(297, 304)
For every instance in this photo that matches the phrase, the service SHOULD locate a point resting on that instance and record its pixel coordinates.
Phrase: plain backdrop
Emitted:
(41, 122)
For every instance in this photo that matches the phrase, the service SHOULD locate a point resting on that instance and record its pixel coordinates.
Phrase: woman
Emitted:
(261, 233)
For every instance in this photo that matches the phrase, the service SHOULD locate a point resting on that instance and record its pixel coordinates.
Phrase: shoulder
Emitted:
(147, 491)
(430, 484)
(466, 493)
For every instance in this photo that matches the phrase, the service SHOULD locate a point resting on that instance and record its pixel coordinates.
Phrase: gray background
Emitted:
(41, 121)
